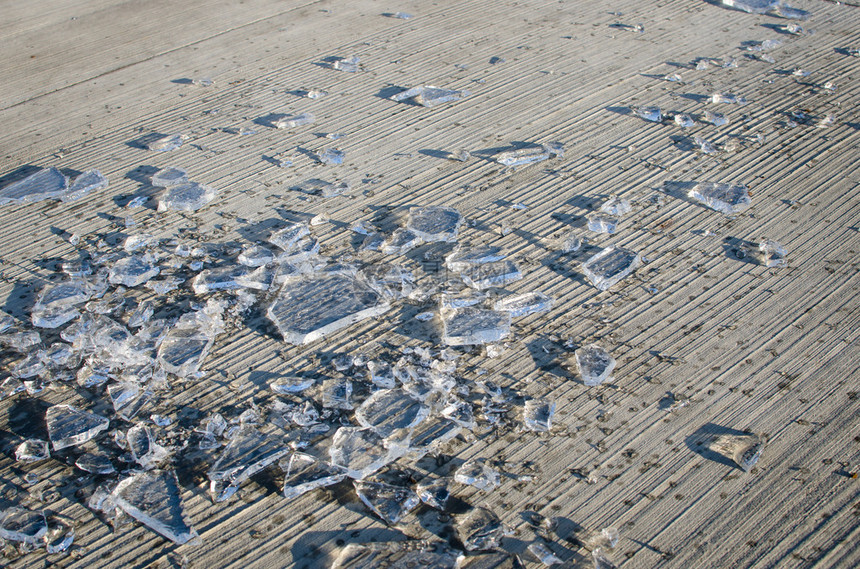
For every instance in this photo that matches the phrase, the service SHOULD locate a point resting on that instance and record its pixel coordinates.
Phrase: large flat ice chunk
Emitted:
(133, 271)
(430, 96)
(18, 524)
(486, 275)
(185, 346)
(308, 309)
(360, 451)
(595, 365)
(389, 410)
(89, 181)
(529, 155)
(153, 499)
(68, 426)
(774, 7)
(44, 184)
(524, 304)
(249, 452)
(610, 266)
(725, 198)
(190, 196)
(434, 223)
(471, 326)
(304, 473)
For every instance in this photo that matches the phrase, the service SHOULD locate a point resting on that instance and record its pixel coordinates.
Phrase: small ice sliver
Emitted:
(725, 198)
(609, 266)
(430, 96)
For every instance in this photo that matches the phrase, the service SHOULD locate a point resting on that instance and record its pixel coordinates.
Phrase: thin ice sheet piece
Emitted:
(248, 452)
(486, 275)
(538, 415)
(724, 198)
(330, 156)
(308, 309)
(610, 266)
(360, 451)
(478, 473)
(133, 271)
(480, 529)
(772, 253)
(398, 555)
(219, 278)
(19, 524)
(524, 304)
(434, 223)
(602, 223)
(44, 184)
(473, 326)
(190, 196)
(292, 121)
(89, 181)
(389, 502)
(169, 176)
(388, 410)
(594, 364)
(68, 426)
(165, 143)
(775, 7)
(186, 345)
(304, 473)
(461, 258)
(153, 499)
(430, 96)
(744, 449)
(529, 155)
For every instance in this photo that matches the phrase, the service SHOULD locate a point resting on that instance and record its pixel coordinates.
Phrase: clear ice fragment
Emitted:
(87, 182)
(434, 223)
(59, 536)
(524, 304)
(389, 502)
(544, 554)
(389, 410)
(529, 155)
(95, 463)
(32, 450)
(568, 242)
(186, 345)
(434, 492)
(153, 499)
(616, 206)
(463, 258)
(684, 121)
(473, 326)
(538, 415)
(716, 119)
(724, 198)
(652, 114)
(68, 426)
(304, 473)
(287, 237)
(189, 196)
(322, 188)
(18, 524)
(293, 121)
(360, 451)
(772, 253)
(705, 146)
(167, 177)
(309, 308)
(336, 394)
(486, 275)
(610, 266)
(330, 156)
(247, 453)
(594, 364)
(219, 278)
(399, 242)
(287, 385)
(744, 450)
(348, 64)
(478, 474)
(601, 561)
(480, 529)
(398, 555)
(430, 96)
(602, 223)
(774, 7)
(44, 184)
(144, 450)
(132, 271)
(165, 143)
(461, 155)
(728, 98)
(401, 16)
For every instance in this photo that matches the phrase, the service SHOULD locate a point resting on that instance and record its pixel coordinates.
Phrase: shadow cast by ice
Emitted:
(700, 443)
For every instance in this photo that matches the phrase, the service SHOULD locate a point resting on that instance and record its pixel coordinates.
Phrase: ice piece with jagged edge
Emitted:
(772, 253)
(20, 340)
(256, 256)
(616, 206)
(309, 308)
(86, 182)
(304, 473)
(480, 529)
(323, 188)
(716, 119)
(773, 7)
(601, 561)
(300, 251)
(594, 364)
(461, 155)
(568, 242)
(401, 241)
(429, 435)
(744, 449)
(133, 271)
(391, 281)
(529, 155)
(287, 237)
(144, 450)
(538, 415)
(336, 393)
(473, 326)
(462, 299)
(398, 555)
(287, 385)
(25, 526)
(486, 275)
(389, 410)
(247, 453)
(494, 560)
(434, 223)
(95, 463)
(292, 121)
(389, 502)
(462, 257)
(189, 196)
(55, 303)
(219, 278)
(153, 498)
(524, 304)
(68, 426)
(544, 554)
(348, 64)
(360, 451)
(59, 536)
(477, 473)
(32, 450)
(609, 266)
(10, 386)
(170, 176)
(430, 96)
(187, 343)
(705, 146)
(651, 114)
(129, 398)
(724, 198)
(728, 98)
(684, 120)
(42, 185)
(165, 143)
(434, 492)
(602, 223)
(330, 156)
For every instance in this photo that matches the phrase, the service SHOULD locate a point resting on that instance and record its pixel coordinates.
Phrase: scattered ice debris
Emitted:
(774, 7)
(430, 96)
(68, 426)
(544, 554)
(480, 529)
(292, 121)
(772, 253)
(716, 119)
(349, 64)
(616, 206)
(434, 223)
(153, 499)
(725, 198)
(529, 155)
(303, 473)
(248, 452)
(743, 449)
(538, 415)
(651, 114)
(189, 196)
(478, 474)
(165, 143)
(398, 554)
(44, 184)
(728, 98)
(594, 364)
(169, 176)
(602, 223)
(21, 525)
(524, 304)
(330, 156)
(684, 121)
(611, 265)
(391, 503)
(32, 450)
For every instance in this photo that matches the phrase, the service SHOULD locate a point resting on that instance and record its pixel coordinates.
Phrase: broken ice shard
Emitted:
(44, 184)
(55, 304)
(186, 345)
(609, 266)
(652, 114)
(772, 253)
(594, 364)
(524, 304)
(684, 121)
(304, 473)
(480, 529)
(463, 258)
(336, 393)
(348, 64)
(398, 555)
(309, 308)
(59, 536)
(716, 119)
(434, 223)
(538, 414)
(743, 449)
(461, 155)
(256, 256)
(388, 410)
(144, 450)
(359, 451)
(322, 188)
(544, 554)
(433, 492)
(95, 463)
(728, 98)
(616, 206)
(68, 426)
(18, 524)
(486, 275)
(287, 237)
(32, 450)
(132, 271)
(602, 223)
(529, 155)
(189, 196)
(85, 183)
(153, 499)
(774, 7)
(219, 278)
(165, 143)
(330, 156)
(248, 452)
(600, 560)
(430, 96)
(478, 474)
(705, 146)
(725, 198)
(569, 242)
(399, 242)
(292, 121)
(389, 502)
(169, 176)
(289, 384)
(472, 326)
